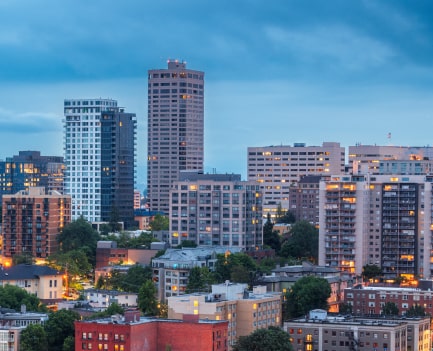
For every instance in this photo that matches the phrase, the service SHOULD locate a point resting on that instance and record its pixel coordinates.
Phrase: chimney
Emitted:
(132, 316)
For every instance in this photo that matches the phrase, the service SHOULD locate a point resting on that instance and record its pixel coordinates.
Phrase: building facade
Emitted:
(99, 147)
(245, 311)
(32, 220)
(365, 159)
(44, 282)
(175, 128)
(372, 299)
(212, 209)
(133, 332)
(275, 168)
(320, 332)
(382, 220)
(30, 169)
(171, 270)
(304, 199)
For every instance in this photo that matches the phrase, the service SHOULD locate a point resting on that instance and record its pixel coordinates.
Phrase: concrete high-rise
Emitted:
(175, 128)
(99, 147)
(276, 168)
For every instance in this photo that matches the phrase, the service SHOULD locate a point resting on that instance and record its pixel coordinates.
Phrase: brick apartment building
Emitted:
(371, 299)
(133, 332)
(32, 221)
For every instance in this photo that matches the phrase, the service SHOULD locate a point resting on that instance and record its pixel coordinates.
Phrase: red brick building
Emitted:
(133, 332)
(371, 299)
(32, 220)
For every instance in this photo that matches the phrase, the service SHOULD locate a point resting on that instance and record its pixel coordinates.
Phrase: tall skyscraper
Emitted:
(99, 145)
(175, 128)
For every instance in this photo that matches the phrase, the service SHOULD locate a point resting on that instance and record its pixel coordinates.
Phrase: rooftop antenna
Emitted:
(389, 138)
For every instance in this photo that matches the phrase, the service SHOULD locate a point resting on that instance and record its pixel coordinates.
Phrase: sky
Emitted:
(276, 72)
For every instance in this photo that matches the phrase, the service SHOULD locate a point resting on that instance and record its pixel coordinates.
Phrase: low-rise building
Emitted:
(372, 299)
(283, 278)
(101, 299)
(171, 270)
(133, 332)
(13, 323)
(246, 311)
(321, 332)
(44, 282)
(107, 253)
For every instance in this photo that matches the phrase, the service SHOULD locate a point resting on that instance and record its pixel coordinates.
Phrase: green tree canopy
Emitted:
(12, 296)
(303, 242)
(159, 222)
(390, 309)
(271, 237)
(126, 240)
(307, 294)
(271, 339)
(59, 327)
(78, 234)
(130, 281)
(416, 311)
(200, 279)
(186, 243)
(370, 271)
(33, 338)
(226, 264)
(76, 262)
(147, 302)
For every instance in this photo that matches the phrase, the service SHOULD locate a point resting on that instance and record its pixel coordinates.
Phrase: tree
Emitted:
(307, 294)
(159, 222)
(76, 262)
(416, 311)
(33, 338)
(78, 234)
(370, 271)
(345, 308)
(12, 296)
(147, 302)
(271, 237)
(303, 242)
(390, 309)
(226, 264)
(130, 281)
(59, 326)
(69, 344)
(200, 278)
(271, 339)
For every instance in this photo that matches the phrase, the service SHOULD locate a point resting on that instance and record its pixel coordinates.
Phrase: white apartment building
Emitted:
(175, 140)
(275, 168)
(82, 148)
(384, 220)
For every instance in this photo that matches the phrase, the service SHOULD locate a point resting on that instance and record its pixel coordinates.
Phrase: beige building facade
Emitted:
(245, 311)
(275, 168)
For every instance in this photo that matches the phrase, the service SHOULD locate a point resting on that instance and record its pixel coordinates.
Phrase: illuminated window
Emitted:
(195, 303)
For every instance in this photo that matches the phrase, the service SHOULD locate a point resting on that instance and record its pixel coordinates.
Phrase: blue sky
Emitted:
(277, 71)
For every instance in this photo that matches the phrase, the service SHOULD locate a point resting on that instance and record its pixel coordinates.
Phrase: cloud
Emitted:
(339, 44)
(12, 122)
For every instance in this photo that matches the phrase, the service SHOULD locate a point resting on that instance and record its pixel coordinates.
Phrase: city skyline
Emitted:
(276, 73)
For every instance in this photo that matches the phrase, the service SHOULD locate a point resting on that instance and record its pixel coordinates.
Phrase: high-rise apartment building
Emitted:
(384, 220)
(216, 209)
(99, 146)
(32, 220)
(275, 168)
(30, 169)
(175, 128)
